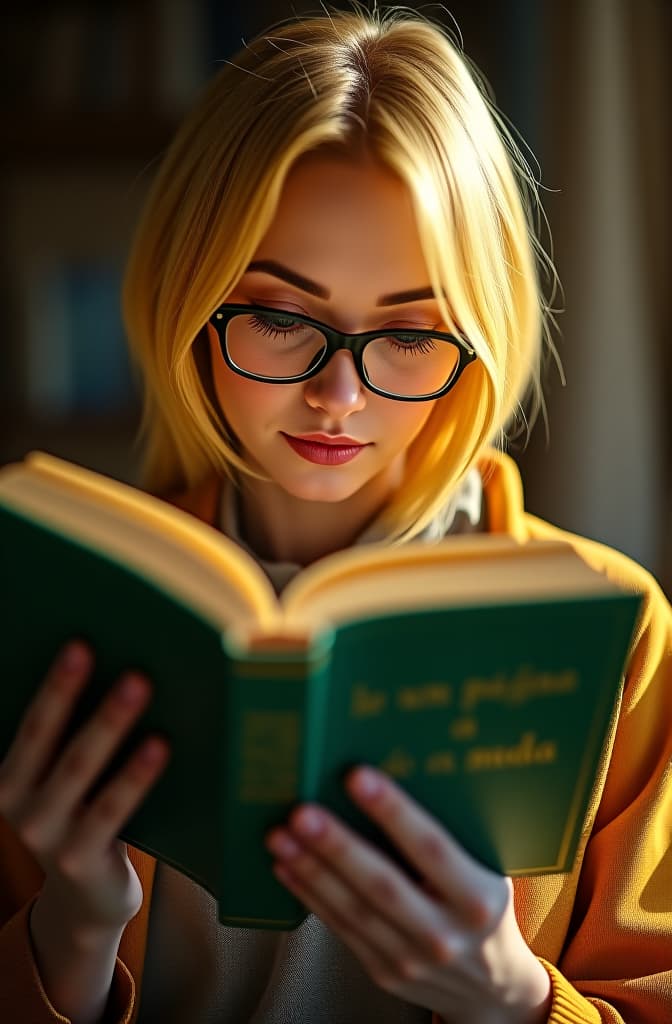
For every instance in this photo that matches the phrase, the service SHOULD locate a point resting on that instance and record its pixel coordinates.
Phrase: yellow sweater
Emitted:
(603, 931)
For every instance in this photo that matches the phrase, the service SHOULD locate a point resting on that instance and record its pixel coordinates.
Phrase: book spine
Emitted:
(274, 709)
(101, 369)
(49, 369)
(182, 44)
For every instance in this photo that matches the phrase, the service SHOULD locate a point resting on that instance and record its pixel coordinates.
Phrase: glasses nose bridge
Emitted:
(335, 350)
(338, 341)
(333, 384)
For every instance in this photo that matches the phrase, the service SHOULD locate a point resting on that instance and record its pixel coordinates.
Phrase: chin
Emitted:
(331, 491)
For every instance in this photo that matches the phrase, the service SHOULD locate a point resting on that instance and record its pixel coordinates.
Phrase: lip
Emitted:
(332, 452)
(338, 439)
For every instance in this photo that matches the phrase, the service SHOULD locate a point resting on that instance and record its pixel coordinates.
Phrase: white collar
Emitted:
(468, 500)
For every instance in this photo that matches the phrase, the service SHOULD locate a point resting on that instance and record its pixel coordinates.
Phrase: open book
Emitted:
(479, 672)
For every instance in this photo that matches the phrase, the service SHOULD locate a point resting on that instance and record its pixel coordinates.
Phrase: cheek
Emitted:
(403, 421)
(246, 403)
(236, 395)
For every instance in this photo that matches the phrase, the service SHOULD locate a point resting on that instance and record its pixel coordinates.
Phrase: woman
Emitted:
(343, 175)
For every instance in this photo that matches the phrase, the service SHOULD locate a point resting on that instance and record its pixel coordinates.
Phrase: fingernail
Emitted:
(152, 751)
(366, 784)
(75, 657)
(282, 845)
(131, 689)
(308, 822)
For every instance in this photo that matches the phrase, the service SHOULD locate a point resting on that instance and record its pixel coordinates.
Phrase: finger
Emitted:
(373, 876)
(325, 892)
(89, 752)
(358, 913)
(477, 893)
(101, 822)
(43, 723)
(382, 970)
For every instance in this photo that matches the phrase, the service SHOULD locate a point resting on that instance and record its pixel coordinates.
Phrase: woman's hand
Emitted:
(90, 883)
(451, 945)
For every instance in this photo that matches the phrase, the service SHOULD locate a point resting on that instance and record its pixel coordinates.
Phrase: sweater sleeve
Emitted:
(22, 996)
(616, 963)
(615, 966)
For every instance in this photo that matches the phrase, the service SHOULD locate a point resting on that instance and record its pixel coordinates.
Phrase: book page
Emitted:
(213, 574)
(471, 569)
(188, 558)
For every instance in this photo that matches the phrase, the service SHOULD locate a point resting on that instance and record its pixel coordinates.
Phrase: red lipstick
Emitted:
(325, 449)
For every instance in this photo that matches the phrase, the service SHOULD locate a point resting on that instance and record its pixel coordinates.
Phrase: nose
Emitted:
(337, 388)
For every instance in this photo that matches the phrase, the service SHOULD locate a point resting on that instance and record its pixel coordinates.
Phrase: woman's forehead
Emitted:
(339, 220)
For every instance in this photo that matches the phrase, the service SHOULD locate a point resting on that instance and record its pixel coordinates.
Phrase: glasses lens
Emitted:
(409, 366)
(273, 346)
(279, 347)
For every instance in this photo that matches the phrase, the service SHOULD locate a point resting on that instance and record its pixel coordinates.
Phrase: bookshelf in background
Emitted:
(66, 377)
(91, 95)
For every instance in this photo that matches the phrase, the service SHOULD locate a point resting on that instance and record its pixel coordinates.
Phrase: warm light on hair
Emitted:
(391, 84)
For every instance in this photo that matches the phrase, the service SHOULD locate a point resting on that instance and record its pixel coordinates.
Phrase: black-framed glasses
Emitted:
(275, 346)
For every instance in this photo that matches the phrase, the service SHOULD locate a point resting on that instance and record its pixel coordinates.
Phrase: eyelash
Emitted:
(420, 346)
(268, 327)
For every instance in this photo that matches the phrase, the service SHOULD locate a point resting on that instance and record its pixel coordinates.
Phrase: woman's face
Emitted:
(348, 229)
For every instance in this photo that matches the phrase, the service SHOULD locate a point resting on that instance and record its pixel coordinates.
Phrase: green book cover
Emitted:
(492, 714)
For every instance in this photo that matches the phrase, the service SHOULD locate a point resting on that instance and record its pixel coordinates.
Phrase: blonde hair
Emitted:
(389, 83)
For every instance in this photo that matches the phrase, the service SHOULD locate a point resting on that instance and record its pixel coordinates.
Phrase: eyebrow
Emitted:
(306, 285)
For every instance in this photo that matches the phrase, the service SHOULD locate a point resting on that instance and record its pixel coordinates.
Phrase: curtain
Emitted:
(607, 471)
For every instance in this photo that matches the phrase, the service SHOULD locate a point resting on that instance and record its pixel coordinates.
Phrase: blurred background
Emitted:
(92, 93)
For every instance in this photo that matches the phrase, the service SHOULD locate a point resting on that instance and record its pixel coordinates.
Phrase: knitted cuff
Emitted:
(22, 995)
(568, 1006)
